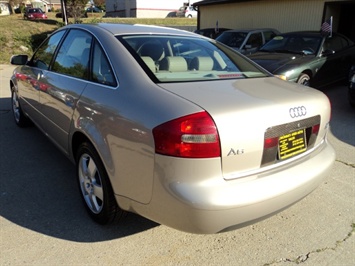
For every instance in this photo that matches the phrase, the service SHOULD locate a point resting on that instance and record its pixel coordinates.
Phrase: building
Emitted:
(144, 8)
(284, 15)
(53, 5)
(45, 5)
(4, 8)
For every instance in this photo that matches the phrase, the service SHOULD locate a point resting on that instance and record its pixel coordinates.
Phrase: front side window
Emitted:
(232, 39)
(255, 40)
(73, 55)
(43, 56)
(174, 58)
(268, 35)
(336, 43)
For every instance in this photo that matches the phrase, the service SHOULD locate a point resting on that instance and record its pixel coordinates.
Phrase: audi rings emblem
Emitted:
(298, 111)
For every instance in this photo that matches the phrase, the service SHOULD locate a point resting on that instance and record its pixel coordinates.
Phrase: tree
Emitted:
(76, 9)
(14, 3)
(100, 3)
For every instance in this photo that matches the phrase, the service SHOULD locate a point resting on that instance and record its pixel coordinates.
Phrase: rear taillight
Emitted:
(191, 136)
(271, 142)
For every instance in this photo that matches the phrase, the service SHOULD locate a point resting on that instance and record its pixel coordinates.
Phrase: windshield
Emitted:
(175, 58)
(35, 10)
(232, 39)
(308, 45)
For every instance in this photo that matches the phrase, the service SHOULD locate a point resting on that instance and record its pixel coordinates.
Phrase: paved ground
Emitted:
(43, 222)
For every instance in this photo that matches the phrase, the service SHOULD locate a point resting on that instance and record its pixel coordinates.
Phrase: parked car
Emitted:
(247, 41)
(190, 12)
(307, 57)
(186, 11)
(172, 125)
(94, 9)
(34, 13)
(212, 33)
(351, 91)
(181, 12)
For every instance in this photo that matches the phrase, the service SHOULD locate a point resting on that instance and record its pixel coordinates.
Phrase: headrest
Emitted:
(204, 63)
(173, 64)
(153, 49)
(149, 62)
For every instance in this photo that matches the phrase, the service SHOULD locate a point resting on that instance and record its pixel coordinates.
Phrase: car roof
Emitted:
(212, 29)
(303, 33)
(251, 30)
(124, 29)
(314, 34)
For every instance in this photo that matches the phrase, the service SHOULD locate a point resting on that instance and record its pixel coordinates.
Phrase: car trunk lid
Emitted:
(250, 112)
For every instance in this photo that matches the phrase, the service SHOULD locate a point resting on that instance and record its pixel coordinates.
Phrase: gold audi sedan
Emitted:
(173, 126)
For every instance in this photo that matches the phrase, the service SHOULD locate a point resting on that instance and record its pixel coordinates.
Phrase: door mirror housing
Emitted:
(328, 52)
(19, 59)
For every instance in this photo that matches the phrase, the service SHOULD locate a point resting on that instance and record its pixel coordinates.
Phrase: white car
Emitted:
(190, 12)
(173, 126)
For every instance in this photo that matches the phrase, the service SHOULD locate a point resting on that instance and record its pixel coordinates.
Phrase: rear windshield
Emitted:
(176, 58)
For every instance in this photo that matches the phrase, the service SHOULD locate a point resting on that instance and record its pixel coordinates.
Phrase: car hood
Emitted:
(276, 61)
(244, 109)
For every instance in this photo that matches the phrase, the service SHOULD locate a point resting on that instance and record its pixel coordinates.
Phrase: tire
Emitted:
(304, 79)
(95, 186)
(20, 118)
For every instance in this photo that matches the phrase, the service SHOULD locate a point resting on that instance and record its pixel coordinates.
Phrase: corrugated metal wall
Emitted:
(284, 15)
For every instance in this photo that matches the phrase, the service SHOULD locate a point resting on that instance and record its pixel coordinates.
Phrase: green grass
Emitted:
(19, 36)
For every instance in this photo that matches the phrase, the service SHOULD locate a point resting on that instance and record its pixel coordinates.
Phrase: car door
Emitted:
(31, 82)
(336, 58)
(65, 82)
(252, 43)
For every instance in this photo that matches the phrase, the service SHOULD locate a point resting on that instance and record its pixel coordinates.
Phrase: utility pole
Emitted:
(64, 12)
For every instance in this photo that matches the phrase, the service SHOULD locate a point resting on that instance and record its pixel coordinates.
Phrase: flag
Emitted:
(327, 27)
(216, 30)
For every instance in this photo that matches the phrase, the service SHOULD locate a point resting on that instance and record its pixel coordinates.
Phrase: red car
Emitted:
(34, 13)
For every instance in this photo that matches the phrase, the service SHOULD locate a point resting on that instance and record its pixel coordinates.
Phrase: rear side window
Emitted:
(101, 69)
(44, 54)
(73, 55)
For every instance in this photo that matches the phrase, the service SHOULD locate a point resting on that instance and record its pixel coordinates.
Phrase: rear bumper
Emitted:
(201, 201)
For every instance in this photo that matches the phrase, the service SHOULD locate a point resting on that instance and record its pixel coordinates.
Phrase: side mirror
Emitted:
(328, 52)
(19, 59)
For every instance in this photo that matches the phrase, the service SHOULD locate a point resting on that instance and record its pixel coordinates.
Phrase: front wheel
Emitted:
(304, 79)
(95, 186)
(20, 118)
